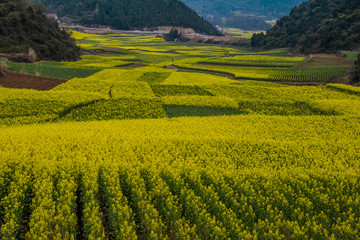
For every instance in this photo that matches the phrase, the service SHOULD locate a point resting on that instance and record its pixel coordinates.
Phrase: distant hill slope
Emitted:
(23, 25)
(270, 9)
(316, 26)
(246, 22)
(127, 14)
(223, 11)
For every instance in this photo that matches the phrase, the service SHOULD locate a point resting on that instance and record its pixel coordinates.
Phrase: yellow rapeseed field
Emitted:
(149, 151)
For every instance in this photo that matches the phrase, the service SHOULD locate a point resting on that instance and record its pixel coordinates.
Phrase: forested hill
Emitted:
(316, 26)
(269, 9)
(23, 25)
(128, 14)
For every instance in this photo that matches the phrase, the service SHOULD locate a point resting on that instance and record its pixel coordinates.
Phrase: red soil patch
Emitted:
(326, 58)
(17, 80)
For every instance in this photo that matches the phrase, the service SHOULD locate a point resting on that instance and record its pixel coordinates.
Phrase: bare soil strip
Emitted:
(326, 58)
(17, 80)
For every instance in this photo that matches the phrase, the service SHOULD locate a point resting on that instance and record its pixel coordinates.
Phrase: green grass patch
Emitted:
(351, 55)
(51, 70)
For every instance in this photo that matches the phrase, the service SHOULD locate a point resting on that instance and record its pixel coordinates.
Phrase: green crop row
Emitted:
(334, 74)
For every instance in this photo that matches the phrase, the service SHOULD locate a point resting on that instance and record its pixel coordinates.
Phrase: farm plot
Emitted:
(255, 60)
(195, 178)
(333, 74)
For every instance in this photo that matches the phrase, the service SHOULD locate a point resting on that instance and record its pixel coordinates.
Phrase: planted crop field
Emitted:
(152, 152)
(208, 178)
(256, 60)
(322, 74)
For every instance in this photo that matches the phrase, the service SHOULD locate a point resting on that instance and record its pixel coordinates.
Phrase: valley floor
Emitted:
(129, 149)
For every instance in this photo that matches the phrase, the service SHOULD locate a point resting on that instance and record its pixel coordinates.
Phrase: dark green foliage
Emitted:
(128, 14)
(178, 90)
(2, 72)
(271, 9)
(356, 77)
(196, 111)
(172, 35)
(243, 14)
(24, 25)
(247, 22)
(316, 26)
(258, 40)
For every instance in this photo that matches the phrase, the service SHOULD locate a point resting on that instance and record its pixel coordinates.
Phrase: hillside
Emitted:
(129, 14)
(24, 25)
(243, 14)
(270, 9)
(246, 22)
(316, 26)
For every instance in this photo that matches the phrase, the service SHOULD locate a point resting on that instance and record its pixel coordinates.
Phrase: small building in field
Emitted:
(52, 15)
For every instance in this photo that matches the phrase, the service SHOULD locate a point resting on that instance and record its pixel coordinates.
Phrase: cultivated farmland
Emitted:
(132, 146)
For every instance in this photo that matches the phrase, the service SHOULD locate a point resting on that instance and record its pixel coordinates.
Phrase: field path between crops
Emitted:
(17, 80)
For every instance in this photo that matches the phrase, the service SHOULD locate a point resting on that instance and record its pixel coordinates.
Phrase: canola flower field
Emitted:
(141, 151)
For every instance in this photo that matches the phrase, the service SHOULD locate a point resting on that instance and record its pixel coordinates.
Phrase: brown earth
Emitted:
(326, 58)
(181, 30)
(17, 80)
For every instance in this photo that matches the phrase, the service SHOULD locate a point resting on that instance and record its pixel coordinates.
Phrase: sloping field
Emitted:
(209, 178)
(156, 153)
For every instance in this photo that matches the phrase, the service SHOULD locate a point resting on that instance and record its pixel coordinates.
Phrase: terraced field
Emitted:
(151, 152)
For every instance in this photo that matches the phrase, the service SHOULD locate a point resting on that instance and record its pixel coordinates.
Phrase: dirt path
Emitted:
(17, 80)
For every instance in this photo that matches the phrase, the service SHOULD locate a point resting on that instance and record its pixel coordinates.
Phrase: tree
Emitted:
(172, 35)
(2, 73)
(356, 77)
(257, 40)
